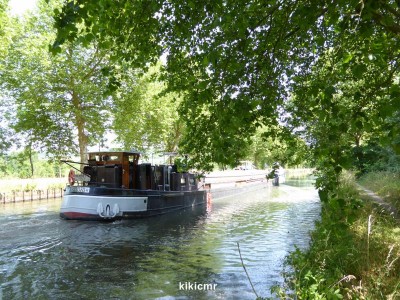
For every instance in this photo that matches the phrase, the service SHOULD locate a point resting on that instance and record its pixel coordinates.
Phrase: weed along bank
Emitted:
(355, 249)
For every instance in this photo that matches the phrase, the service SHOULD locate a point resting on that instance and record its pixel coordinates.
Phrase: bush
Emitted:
(354, 253)
(386, 184)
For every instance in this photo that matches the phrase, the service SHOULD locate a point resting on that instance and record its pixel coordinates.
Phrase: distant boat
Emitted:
(113, 185)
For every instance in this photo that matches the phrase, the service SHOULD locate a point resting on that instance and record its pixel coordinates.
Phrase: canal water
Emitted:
(185, 255)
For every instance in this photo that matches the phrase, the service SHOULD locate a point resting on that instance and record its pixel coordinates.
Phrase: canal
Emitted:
(185, 255)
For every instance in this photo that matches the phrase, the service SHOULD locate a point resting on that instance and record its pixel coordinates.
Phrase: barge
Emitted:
(113, 185)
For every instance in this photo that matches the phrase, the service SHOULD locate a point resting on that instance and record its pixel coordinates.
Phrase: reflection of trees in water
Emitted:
(142, 258)
(182, 254)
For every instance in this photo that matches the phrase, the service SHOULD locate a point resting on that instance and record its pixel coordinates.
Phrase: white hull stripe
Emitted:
(97, 205)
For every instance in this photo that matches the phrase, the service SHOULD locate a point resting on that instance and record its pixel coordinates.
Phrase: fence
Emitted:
(18, 196)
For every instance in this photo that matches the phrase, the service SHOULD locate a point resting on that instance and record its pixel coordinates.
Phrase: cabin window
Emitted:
(107, 157)
(114, 158)
(94, 157)
(104, 157)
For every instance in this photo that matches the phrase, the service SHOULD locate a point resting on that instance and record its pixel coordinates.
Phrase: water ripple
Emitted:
(42, 256)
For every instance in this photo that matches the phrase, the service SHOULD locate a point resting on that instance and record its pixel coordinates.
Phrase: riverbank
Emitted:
(14, 190)
(354, 252)
(384, 184)
(31, 184)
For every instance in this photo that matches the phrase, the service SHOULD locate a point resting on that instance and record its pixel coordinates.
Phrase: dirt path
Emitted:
(387, 207)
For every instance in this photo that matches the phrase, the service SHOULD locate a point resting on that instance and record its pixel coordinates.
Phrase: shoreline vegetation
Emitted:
(354, 250)
(32, 184)
(9, 185)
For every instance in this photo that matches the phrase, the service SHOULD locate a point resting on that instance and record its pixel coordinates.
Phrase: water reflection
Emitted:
(43, 256)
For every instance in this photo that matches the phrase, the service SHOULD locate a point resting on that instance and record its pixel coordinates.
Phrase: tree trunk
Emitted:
(80, 125)
(174, 138)
(30, 159)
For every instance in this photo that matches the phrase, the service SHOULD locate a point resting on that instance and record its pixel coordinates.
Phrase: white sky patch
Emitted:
(19, 7)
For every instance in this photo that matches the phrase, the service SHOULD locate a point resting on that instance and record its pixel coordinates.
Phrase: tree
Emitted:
(277, 144)
(6, 31)
(4, 26)
(236, 63)
(55, 97)
(144, 117)
(348, 95)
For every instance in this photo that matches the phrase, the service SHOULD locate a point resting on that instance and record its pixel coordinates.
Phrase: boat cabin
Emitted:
(115, 169)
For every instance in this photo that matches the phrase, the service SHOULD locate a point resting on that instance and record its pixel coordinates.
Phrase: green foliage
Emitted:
(276, 144)
(17, 165)
(144, 117)
(349, 257)
(182, 164)
(54, 98)
(237, 63)
(385, 184)
(129, 25)
(4, 32)
(211, 136)
(372, 158)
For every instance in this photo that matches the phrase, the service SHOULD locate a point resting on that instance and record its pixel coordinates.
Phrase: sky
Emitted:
(18, 7)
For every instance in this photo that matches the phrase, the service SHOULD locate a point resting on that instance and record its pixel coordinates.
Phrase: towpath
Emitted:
(387, 207)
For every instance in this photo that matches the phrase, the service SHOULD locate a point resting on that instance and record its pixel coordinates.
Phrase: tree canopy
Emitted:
(238, 77)
(326, 69)
(55, 98)
(144, 117)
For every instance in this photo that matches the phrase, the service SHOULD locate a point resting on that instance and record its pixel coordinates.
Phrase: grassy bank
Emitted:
(354, 253)
(10, 185)
(384, 184)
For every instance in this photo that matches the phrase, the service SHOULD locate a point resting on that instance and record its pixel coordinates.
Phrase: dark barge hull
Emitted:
(98, 203)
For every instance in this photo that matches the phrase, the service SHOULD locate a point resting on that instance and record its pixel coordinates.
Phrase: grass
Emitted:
(384, 184)
(354, 253)
(10, 185)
